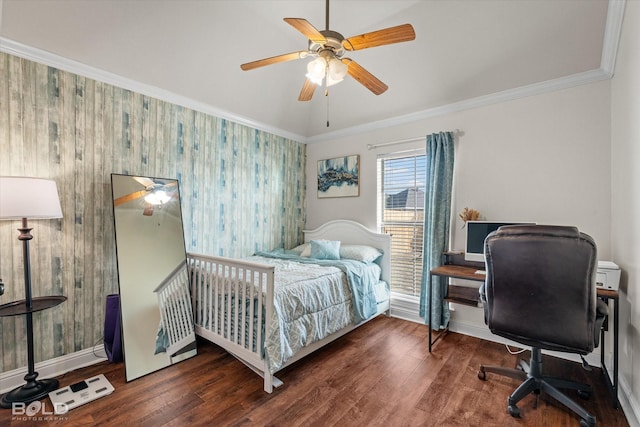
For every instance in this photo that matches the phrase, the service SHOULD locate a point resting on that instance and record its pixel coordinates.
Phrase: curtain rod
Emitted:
(456, 132)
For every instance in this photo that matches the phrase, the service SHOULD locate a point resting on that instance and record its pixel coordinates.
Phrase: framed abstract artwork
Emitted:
(339, 177)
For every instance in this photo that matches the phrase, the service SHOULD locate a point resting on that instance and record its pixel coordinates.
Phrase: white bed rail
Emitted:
(231, 300)
(175, 309)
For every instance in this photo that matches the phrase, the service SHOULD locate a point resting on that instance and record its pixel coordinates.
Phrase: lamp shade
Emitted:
(26, 197)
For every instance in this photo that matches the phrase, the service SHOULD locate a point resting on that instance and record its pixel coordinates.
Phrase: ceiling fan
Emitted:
(155, 193)
(328, 47)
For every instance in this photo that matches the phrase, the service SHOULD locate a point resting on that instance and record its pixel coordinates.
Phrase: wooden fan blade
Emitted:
(307, 29)
(144, 181)
(167, 186)
(367, 79)
(132, 196)
(308, 88)
(400, 33)
(274, 60)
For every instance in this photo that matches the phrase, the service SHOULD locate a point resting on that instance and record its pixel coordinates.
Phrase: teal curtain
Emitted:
(437, 218)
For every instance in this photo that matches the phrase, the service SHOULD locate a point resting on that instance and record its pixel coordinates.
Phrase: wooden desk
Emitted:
(469, 273)
(455, 272)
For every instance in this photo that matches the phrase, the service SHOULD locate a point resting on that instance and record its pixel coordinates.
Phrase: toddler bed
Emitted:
(276, 307)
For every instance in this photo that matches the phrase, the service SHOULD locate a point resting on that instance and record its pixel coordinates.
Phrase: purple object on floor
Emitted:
(112, 340)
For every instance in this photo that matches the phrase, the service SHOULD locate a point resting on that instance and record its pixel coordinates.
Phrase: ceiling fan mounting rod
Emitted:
(326, 26)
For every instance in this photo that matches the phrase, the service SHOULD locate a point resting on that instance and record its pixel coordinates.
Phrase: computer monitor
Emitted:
(477, 231)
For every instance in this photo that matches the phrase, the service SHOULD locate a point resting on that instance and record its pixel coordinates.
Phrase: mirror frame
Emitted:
(153, 280)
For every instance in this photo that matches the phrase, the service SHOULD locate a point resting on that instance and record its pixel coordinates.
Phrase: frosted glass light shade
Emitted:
(316, 70)
(157, 197)
(330, 68)
(26, 197)
(336, 71)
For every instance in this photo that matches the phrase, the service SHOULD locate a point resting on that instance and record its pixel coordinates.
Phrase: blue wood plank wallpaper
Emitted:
(242, 190)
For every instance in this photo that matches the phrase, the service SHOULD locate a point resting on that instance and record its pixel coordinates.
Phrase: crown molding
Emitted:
(612, 31)
(480, 101)
(15, 48)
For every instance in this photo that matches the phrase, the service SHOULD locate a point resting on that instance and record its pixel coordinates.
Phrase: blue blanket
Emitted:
(361, 280)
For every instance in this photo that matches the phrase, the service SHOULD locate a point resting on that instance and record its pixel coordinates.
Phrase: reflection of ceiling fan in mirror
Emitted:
(155, 193)
(328, 47)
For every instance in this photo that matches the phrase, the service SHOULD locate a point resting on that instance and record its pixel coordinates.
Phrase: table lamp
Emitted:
(23, 198)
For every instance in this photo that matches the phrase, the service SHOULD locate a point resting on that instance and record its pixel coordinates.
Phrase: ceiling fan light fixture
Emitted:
(157, 197)
(316, 70)
(330, 68)
(336, 71)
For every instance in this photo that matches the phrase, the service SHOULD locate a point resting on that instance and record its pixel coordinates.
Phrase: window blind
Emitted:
(401, 192)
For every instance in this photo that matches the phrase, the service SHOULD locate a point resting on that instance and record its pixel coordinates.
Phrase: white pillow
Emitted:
(301, 249)
(307, 250)
(359, 253)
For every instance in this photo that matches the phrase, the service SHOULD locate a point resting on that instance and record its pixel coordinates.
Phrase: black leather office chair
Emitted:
(540, 291)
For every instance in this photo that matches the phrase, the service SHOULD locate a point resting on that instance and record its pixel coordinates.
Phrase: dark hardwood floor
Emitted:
(380, 374)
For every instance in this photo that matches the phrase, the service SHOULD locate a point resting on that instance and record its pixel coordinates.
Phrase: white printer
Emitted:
(608, 275)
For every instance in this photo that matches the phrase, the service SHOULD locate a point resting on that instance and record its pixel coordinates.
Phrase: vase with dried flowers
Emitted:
(469, 215)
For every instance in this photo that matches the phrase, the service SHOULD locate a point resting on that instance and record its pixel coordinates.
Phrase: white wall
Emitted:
(625, 228)
(543, 158)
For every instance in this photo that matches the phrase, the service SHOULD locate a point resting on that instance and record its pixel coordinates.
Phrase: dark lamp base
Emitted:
(30, 392)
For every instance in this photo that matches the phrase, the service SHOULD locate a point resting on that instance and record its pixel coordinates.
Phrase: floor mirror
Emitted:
(155, 303)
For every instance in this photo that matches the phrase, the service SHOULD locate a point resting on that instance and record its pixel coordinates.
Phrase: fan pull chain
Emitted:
(326, 95)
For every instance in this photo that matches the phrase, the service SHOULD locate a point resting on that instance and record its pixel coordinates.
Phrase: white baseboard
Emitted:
(408, 310)
(485, 334)
(628, 403)
(406, 315)
(53, 367)
(405, 308)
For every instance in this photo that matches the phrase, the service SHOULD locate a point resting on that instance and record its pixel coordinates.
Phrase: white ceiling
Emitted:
(464, 49)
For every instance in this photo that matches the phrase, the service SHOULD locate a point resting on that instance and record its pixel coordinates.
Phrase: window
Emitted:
(401, 191)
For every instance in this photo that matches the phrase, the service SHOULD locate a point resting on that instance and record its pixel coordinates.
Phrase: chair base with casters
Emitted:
(535, 382)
